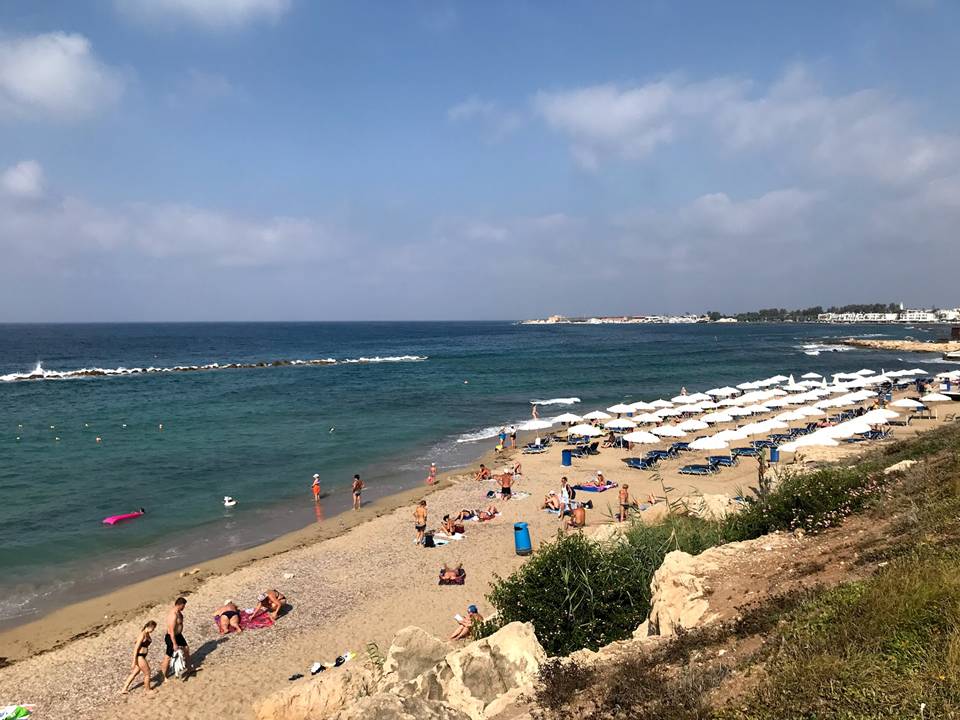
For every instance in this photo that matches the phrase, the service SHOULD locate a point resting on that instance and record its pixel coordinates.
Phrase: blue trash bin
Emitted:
(774, 454)
(521, 539)
(566, 458)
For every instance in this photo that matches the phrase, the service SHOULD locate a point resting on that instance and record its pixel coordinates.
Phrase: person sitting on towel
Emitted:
(598, 481)
(449, 573)
(465, 625)
(451, 526)
(489, 514)
(551, 501)
(483, 473)
(272, 601)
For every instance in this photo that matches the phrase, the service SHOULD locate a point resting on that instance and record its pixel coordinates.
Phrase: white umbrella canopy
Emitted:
(661, 403)
(683, 399)
(872, 419)
(620, 424)
(753, 429)
(935, 397)
(790, 416)
(727, 435)
(667, 412)
(866, 371)
(717, 417)
(776, 403)
(584, 431)
(810, 411)
(918, 371)
(778, 378)
(757, 409)
(641, 405)
(700, 397)
(737, 412)
(647, 418)
(794, 388)
(845, 430)
(725, 391)
(596, 415)
(811, 376)
(567, 418)
(807, 441)
(536, 425)
(748, 385)
(620, 408)
(668, 431)
(708, 443)
(641, 437)
(691, 425)
(906, 403)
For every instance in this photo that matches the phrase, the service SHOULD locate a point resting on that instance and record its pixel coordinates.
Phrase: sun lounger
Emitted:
(640, 464)
(534, 449)
(722, 460)
(699, 470)
(679, 447)
(744, 452)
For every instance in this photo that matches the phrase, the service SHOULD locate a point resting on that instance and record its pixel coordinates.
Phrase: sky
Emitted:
(432, 159)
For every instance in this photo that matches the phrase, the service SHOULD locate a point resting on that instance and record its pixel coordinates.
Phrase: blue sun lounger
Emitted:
(699, 470)
(640, 464)
(722, 460)
(745, 452)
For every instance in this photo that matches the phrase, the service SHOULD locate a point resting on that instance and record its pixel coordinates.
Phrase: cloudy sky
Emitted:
(431, 159)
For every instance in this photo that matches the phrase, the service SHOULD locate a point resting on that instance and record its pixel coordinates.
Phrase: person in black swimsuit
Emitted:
(228, 618)
(140, 664)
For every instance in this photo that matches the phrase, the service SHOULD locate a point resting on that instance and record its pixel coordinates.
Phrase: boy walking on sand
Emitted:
(420, 520)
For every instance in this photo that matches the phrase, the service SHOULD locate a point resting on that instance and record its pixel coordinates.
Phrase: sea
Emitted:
(101, 419)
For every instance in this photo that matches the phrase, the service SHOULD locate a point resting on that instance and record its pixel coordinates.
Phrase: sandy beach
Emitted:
(352, 580)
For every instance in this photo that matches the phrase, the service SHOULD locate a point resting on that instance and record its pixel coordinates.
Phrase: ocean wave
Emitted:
(556, 401)
(41, 373)
(822, 347)
(484, 434)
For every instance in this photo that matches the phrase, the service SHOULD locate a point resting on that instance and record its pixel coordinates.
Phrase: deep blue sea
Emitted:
(258, 434)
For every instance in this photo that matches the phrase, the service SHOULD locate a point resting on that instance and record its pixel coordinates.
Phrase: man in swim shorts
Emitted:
(506, 481)
(357, 489)
(420, 520)
(624, 497)
(483, 473)
(173, 638)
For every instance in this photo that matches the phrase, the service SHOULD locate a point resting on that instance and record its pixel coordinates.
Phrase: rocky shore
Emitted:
(904, 345)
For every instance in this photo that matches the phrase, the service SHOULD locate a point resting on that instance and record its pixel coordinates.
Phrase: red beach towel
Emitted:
(249, 620)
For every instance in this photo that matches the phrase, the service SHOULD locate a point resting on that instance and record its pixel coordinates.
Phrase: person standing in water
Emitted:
(432, 476)
(357, 489)
(316, 487)
(140, 664)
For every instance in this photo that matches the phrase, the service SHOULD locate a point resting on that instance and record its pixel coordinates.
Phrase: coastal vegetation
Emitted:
(884, 645)
(804, 314)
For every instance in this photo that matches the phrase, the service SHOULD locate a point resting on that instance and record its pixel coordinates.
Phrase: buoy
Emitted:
(161, 427)
(86, 424)
(466, 382)
(53, 427)
(124, 425)
(228, 501)
(98, 438)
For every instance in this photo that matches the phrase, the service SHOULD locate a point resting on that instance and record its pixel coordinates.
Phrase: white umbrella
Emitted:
(776, 403)
(567, 418)
(535, 425)
(935, 397)
(737, 412)
(808, 440)
(640, 437)
(811, 376)
(753, 429)
(866, 371)
(725, 391)
(647, 418)
(748, 385)
(757, 409)
(907, 403)
(918, 371)
(668, 431)
(641, 405)
(810, 411)
(584, 431)
(717, 417)
(778, 378)
(596, 415)
(621, 424)
(790, 416)
(661, 404)
(620, 408)
(667, 412)
(795, 388)
(727, 435)
(845, 430)
(700, 397)
(691, 425)
(683, 399)
(708, 443)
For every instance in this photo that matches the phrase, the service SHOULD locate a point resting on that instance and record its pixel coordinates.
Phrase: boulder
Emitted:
(710, 507)
(320, 696)
(474, 676)
(899, 467)
(387, 706)
(412, 652)
(606, 533)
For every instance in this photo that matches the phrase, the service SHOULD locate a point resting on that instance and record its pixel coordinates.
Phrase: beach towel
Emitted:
(14, 712)
(459, 580)
(489, 519)
(179, 664)
(595, 488)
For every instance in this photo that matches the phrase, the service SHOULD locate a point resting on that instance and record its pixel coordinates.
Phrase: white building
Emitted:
(918, 316)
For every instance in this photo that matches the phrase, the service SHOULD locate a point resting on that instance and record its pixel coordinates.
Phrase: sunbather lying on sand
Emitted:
(451, 573)
(551, 501)
(489, 514)
(228, 617)
(465, 625)
(451, 526)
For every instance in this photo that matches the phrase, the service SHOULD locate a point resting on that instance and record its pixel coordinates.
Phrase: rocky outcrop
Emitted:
(421, 678)
(903, 345)
(321, 696)
(899, 467)
(710, 507)
(474, 677)
(682, 586)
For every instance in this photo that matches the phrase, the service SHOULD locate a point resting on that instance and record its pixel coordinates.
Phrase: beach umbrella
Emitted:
(640, 436)
(620, 409)
(621, 424)
(584, 431)
(866, 371)
(793, 387)
(725, 391)
(727, 435)
(647, 418)
(567, 418)
(874, 418)
(845, 430)
(708, 443)
(641, 405)
(753, 429)
(779, 378)
(700, 397)
(683, 399)
(691, 425)
(667, 412)
(536, 425)
(661, 404)
(789, 416)
(935, 397)
(809, 440)
(776, 403)
(668, 431)
(906, 403)
(737, 412)
(717, 417)
(918, 371)
(596, 415)
(757, 409)
(811, 376)
(748, 385)
(810, 411)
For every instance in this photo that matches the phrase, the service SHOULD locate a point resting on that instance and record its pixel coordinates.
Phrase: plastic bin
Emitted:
(521, 538)
(774, 454)
(566, 458)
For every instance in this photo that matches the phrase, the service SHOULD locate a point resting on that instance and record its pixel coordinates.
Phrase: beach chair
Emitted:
(679, 447)
(699, 470)
(744, 452)
(593, 448)
(722, 460)
(949, 417)
(640, 464)
(534, 449)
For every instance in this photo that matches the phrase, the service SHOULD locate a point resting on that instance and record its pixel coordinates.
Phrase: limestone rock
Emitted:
(474, 676)
(710, 507)
(387, 706)
(608, 532)
(899, 467)
(319, 697)
(412, 652)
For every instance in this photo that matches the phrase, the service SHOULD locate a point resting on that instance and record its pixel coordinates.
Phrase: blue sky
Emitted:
(286, 159)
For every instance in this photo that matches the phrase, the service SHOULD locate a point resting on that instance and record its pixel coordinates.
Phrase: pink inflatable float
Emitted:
(114, 519)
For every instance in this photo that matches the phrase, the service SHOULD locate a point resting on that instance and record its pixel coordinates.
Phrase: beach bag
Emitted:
(573, 494)
(428, 540)
(179, 664)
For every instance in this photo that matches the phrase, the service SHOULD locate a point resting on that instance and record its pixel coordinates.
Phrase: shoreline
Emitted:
(903, 345)
(87, 618)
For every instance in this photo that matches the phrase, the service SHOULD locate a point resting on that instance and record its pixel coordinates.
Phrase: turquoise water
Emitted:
(258, 434)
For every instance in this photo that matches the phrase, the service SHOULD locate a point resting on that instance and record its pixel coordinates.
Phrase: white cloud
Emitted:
(497, 122)
(866, 134)
(54, 75)
(210, 14)
(25, 179)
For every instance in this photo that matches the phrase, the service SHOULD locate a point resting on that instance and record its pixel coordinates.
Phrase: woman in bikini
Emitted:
(140, 664)
(228, 618)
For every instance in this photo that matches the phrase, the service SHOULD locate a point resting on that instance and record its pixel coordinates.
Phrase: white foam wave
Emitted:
(484, 434)
(41, 373)
(557, 401)
(823, 347)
